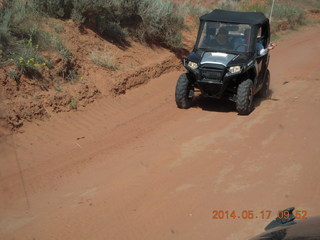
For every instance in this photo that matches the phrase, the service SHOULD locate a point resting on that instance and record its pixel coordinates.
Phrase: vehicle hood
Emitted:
(220, 58)
(224, 59)
(217, 58)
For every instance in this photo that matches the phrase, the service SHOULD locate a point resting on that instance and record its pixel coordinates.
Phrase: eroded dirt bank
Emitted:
(136, 167)
(73, 82)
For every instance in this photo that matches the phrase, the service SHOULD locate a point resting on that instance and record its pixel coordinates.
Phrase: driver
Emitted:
(222, 39)
(217, 41)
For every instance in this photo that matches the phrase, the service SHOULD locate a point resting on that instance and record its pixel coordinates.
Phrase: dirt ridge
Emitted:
(27, 100)
(144, 74)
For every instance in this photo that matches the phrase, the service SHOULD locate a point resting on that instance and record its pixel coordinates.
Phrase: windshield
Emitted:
(221, 37)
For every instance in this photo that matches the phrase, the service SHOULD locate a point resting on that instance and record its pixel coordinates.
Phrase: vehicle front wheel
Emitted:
(183, 88)
(244, 103)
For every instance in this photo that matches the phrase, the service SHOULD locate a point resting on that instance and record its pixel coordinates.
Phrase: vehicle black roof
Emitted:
(253, 18)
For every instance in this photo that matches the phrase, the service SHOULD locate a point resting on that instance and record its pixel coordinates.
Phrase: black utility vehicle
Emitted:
(230, 59)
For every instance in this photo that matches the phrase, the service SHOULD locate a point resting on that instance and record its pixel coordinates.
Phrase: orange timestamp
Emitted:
(251, 214)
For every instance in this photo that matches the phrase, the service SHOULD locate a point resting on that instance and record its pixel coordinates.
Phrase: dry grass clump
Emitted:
(103, 59)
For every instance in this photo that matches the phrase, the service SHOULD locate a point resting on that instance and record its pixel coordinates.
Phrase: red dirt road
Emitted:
(136, 167)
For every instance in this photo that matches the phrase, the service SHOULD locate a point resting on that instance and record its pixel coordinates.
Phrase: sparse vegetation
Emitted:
(103, 59)
(58, 28)
(58, 88)
(309, 3)
(14, 75)
(74, 103)
(71, 75)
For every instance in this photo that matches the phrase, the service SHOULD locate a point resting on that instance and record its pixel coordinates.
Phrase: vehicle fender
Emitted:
(251, 73)
(191, 75)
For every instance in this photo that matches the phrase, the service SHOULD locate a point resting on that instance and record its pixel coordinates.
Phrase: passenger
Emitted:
(243, 47)
(216, 42)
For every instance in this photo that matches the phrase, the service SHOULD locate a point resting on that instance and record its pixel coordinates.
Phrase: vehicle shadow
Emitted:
(258, 100)
(224, 105)
(213, 105)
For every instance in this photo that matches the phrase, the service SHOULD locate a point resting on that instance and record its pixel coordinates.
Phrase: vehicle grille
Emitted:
(211, 74)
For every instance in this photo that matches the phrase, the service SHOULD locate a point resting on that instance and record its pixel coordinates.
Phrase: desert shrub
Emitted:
(256, 7)
(15, 75)
(74, 103)
(54, 8)
(19, 20)
(232, 5)
(9, 21)
(28, 60)
(293, 15)
(22, 39)
(157, 22)
(235, 5)
(17, 26)
(309, 3)
(71, 75)
(162, 22)
(195, 9)
(58, 28)
(5, 16)
(285, 15)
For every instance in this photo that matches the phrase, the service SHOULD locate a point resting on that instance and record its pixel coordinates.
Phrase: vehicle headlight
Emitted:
(193, 65)
(235, 69)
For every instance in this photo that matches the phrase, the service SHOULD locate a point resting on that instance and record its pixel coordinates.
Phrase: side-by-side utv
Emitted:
(229, 60)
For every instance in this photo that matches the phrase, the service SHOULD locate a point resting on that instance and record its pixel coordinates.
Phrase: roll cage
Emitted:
(257, 22)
